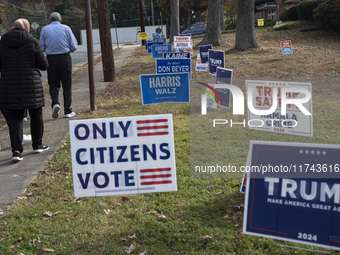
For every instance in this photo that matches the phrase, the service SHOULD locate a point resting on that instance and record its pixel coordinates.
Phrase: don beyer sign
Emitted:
(127, 155)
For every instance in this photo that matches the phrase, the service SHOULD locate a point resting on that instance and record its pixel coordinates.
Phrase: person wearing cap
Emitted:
(58, 41)
(21, 57)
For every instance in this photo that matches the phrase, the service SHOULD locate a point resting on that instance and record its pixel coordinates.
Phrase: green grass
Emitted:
(204, 216)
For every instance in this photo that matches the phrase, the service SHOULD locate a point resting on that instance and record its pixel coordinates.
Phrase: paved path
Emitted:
(14, 177)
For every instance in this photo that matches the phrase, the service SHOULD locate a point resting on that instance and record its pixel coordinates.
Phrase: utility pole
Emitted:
(106, 41)
(88, 19)
(152, 14)
(142, 22)
(42, 1)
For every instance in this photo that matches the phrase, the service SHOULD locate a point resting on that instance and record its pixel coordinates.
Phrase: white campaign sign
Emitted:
(183, 42)
(294, 120)
(127, 155)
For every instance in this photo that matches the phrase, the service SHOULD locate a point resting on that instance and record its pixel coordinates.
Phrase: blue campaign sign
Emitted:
(175, 55)
(204, 52)
(293, 193)
(158, 50)
(223, 76)
(165, 88)
(288, 50)
(149, 45)
(173, 66)
(160, 39)
(216, 59)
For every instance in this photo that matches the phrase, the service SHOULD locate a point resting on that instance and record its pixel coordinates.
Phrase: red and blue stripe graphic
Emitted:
(153, 127)
(155, 176)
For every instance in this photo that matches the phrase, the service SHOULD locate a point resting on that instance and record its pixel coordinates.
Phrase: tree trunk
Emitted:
(106, 41)
(245, 32)
(213, 32)
(222, 14)
(174, 23)
(188, 21)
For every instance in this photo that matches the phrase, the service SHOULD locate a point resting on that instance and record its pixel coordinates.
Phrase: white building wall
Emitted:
(125, 34)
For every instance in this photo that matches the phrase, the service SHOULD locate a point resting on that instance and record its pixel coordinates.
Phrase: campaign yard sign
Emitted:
(216, 59)
(204, 53)
(173, 66)
(286, 47)
(127, 155)
(142, 35)
(299, 208)
(294, 122)
(199, 65)
(149, 45)
(158, 50)
(223, 76)
(175, 55)
(260, 22)
(165, 88)
(182, 42)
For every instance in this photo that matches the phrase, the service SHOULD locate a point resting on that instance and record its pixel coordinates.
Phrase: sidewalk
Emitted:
(14, 177)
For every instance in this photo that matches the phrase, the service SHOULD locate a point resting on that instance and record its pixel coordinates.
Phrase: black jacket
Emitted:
(20, 58)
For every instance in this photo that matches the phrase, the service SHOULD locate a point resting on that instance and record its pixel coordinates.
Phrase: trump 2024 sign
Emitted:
(127, 155)
(293, 193)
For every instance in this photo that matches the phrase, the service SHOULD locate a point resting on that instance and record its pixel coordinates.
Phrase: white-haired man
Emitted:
(58, 41)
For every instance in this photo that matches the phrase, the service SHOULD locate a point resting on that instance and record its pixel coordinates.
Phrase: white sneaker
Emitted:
(70, 115)
(26, 139)
(24, 119)
(55, 111)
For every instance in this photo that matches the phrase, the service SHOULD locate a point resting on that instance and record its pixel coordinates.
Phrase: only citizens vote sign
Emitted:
(128, 155)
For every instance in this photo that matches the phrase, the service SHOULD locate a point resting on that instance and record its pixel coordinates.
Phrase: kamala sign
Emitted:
(127, 155)
(292, 98)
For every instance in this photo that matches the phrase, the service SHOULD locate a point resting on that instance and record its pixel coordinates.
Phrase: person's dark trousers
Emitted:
(59, 72)
(37, 126)
(14, 122)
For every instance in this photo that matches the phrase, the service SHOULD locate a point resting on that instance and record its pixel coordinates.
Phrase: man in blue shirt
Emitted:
(58, 41)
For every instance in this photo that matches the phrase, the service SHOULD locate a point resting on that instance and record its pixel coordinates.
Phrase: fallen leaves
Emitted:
(107, 211)
(130, 249)
(158, 215)
(181, 204)
(125, 199)
(42, 247)
(133, 236)
(51, 214)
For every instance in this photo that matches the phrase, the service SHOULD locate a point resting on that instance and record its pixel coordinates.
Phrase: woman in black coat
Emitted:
(21, 57)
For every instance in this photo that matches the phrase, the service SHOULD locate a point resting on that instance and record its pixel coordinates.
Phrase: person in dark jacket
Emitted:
(21, 57)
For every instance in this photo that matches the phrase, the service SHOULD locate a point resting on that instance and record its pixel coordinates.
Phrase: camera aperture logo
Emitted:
(271, 105)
